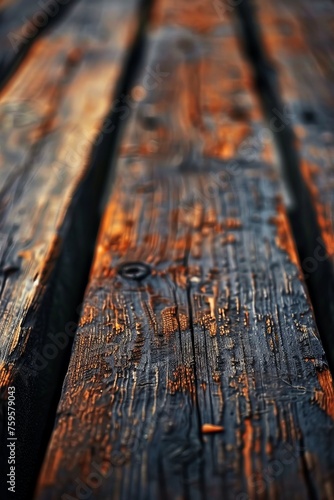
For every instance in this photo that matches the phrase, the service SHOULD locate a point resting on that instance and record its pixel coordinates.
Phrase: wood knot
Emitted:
(134, 270)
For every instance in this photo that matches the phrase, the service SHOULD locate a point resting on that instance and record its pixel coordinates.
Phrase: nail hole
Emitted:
(149, 117)
(308, 116)
(8, 270)
(150, 122)
(134, 270)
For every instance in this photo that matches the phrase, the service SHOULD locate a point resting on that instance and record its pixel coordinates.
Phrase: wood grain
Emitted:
(21, 23)
(197, 370)
(53, 115)
(298, 38)
(302, 34)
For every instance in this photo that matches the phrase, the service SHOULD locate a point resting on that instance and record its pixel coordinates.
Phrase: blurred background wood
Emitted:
(21, 22)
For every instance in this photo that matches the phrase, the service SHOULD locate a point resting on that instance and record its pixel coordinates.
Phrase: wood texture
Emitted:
(197, 371)
(21, 22)
(52, 113)
(298, 37)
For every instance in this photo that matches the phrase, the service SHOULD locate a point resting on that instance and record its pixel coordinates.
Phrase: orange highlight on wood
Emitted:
(284, 239)
(211, 428)
(325, 397)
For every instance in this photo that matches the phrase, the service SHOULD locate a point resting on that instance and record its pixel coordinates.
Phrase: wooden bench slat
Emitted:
(203, 374)
(53, 115)
(298, 37)
(21, 22)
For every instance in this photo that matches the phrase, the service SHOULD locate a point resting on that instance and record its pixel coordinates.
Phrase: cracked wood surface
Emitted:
(51, 112)
(298, 36)
(205, 376)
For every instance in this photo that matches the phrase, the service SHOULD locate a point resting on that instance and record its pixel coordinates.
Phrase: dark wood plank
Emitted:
(197, 371)
(21, 22)
(53, 115)
(298, 37)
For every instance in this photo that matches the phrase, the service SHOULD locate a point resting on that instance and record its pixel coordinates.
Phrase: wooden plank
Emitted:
(21, 22)
(53, 115)
(197, 370)
(298, 37)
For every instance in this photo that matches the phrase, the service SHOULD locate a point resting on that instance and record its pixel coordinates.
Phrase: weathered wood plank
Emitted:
(53, 115)
(298, 37)
(197, 370)
(21, 22)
